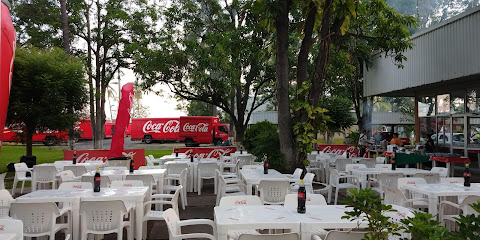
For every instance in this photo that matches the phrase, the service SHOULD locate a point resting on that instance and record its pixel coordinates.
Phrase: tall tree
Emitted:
(214, 52)
(48, 91)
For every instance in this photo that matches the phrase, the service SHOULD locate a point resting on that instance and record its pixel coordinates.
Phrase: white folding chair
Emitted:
(280, 236)
(369, 162)
(39, 219)
(443, 172)
(335, 177)
(44, 175)
(104, 217)
(10, 225)
(312, 199)
(174, 226)
(21, 170)
(273, 191)
(5, 200)
(206, 171)
(157, 215)
(76, 185)
(77, 170)
(429, 177)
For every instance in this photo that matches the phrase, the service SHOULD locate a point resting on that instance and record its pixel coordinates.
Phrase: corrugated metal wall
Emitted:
(447, 51)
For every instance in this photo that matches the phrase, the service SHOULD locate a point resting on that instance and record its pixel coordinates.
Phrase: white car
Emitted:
(445, 138)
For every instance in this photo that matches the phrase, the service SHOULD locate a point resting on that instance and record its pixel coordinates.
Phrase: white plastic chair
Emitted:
(174, 226)
(206, 171)
(147, 180)
(39, 219)
(104, 180)
(464, 208)
(44, 175)
(116, 168)
(369, 162)
(307, 181)
(380, 160)
(2, 180)
(174, 170)
(335, 177)
(21, 170)
(342, 235)
(233, 188)
(350, 167)
(429, 177)
(384, 179)
(312, 199)
(273, 192)
(174, 187)
(104, 217)
(11, 225)
(296, 175)
(396, 217)
(149, 160)
(75, 185)
(68, 176)
(242, 161)
(443, 172)
(77, 170)
(5, 200)
(317, 168)
(243, 200)
(280, 236)
(452, 180)
(227, 163)
(419, 200)
(157, 215)
(341, 164)
(126, 183)
(383, 166)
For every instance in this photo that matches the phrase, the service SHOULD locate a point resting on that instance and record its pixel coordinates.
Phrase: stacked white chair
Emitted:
(104, 217)
(77, 170)
(307, 181)
(40, 219)
(206, 171)
(429, 177)
(273, 192)
(5, 200)
(335, 177)
(12, 226)
(44, 175)
(157, 215)
(443, 172)
(174, 226)
(21, 170)
(172, 187)
(230, 188)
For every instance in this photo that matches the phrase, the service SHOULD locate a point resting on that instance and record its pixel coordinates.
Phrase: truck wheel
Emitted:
(217, 142)
(148, 139)
(50, 141)
(189, 142)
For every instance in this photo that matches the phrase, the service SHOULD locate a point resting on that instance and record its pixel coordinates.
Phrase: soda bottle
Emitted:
(241, 150)
(74, 160)
(348, 154)
(265, 164)
(394, 164)
(176, 152)
(302, 197)
(191, 157)
(467, 175)
(96, 181)
(131, 165)
(318, 151)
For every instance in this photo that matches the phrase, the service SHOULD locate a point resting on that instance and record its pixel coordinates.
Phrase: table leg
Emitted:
(221, 233)
(249, 188)
(434, 163)
(76, 219)
(138, 218)
(432, 205)
(451, 169)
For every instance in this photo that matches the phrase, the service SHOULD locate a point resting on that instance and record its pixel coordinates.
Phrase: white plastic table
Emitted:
(253, 174)
(434, 191)
(253, 217)
(90, 166)
(8, 236)
(235, 155)
(362, 173)
(117, 175)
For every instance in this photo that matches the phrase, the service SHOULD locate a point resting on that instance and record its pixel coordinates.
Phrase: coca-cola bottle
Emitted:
(265, 164)
(132, 166)
(394, 164)
(176, 152)
(348, 153)
(318, 151)
(302, 198)
(191, 157)
(241, 150)
(74, 159)
(467, 175)
(96, 181)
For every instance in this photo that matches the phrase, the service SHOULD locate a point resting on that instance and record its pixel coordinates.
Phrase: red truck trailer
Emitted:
(193, 131)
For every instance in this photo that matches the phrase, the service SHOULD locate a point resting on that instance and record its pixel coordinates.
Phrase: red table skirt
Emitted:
(388, 154)
(451, 159)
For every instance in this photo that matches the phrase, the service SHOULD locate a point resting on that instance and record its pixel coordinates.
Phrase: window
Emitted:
(223, 129)
(473, 132)
(443, 104)
(458, 125)
(473, 100)
(458, 102)
(443, 131)
(426, 106)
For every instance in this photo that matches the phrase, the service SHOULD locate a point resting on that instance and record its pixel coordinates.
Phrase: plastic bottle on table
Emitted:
(302, 197)
(96, 181)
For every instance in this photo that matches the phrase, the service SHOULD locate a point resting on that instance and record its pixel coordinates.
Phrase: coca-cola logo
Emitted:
(308, 199)
(411, 182)
(172, 126)
(2, 227)
(129, 154)
(241, 202)
(77, 186)
(339, 151)
(84, 157)
(201, 127)
(215, 153)
(403, 215)
(127, 185)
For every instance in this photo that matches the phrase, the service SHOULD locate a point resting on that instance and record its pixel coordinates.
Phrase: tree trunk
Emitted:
(367, 114)
(287, 141)
(29, 140)
(98, 144)
(90, 76)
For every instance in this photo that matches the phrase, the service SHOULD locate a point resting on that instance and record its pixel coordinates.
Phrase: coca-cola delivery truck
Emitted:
(190, 130)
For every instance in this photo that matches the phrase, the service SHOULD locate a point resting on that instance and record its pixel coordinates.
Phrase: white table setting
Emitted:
(253, 174)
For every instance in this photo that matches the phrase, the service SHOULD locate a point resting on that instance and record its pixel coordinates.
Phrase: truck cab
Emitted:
(220, 134)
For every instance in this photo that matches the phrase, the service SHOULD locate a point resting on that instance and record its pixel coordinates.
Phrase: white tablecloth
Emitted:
(253, 217)
(8, 236)
(362, 173)
(434, 191)
(253, 174)
(118, 175)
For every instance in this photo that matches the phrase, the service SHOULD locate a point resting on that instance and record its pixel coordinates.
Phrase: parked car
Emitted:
(444, 138)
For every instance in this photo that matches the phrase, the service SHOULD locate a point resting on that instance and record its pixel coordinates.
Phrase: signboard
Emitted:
(207, 152)
(338, 149)
(138, 155)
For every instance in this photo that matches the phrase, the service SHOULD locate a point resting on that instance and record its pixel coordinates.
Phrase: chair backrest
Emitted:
(176, 168)
(394, 196)
(405, 181)
(151, 167)
(429, 177)
(312, 157)
(281, 236)
(10, 225)
(389, 179)
(38, 218)
(240, 200)
(465, 205)
(76, 185)
(126, 183)
(312, 199)
(273, 191)
(396, 217)
(452, 180)
(102, 216)
(206, 169)
(443, 172)
(20, 169)
(383, 166)
(173, 223)
(225, 159)
(5, 200)
(380, 160)
(149, 160)
(104, 180)
(297, 173)
(44, 173)
(369, 162)
(67, 175)
(77, 170)
(147, 179)
(116, 168)
(344, 235)
(350, 167)
(243, 160)
(341, 163)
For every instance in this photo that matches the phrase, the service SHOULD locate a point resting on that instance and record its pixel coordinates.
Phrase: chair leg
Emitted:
(23, 184)
(120, 234)
(336, 195)
(215, 185)
(199, 186)
(15, 181)
(185, 196)
(330, 194)
(182, 198)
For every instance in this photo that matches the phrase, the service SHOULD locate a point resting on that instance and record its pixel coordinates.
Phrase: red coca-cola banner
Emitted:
(207, 152)
(7, 53)
(123, 118)
(338, 149)
(138, 155)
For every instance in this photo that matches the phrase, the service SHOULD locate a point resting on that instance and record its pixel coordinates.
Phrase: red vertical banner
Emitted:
(123, 119)
(7, 53)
